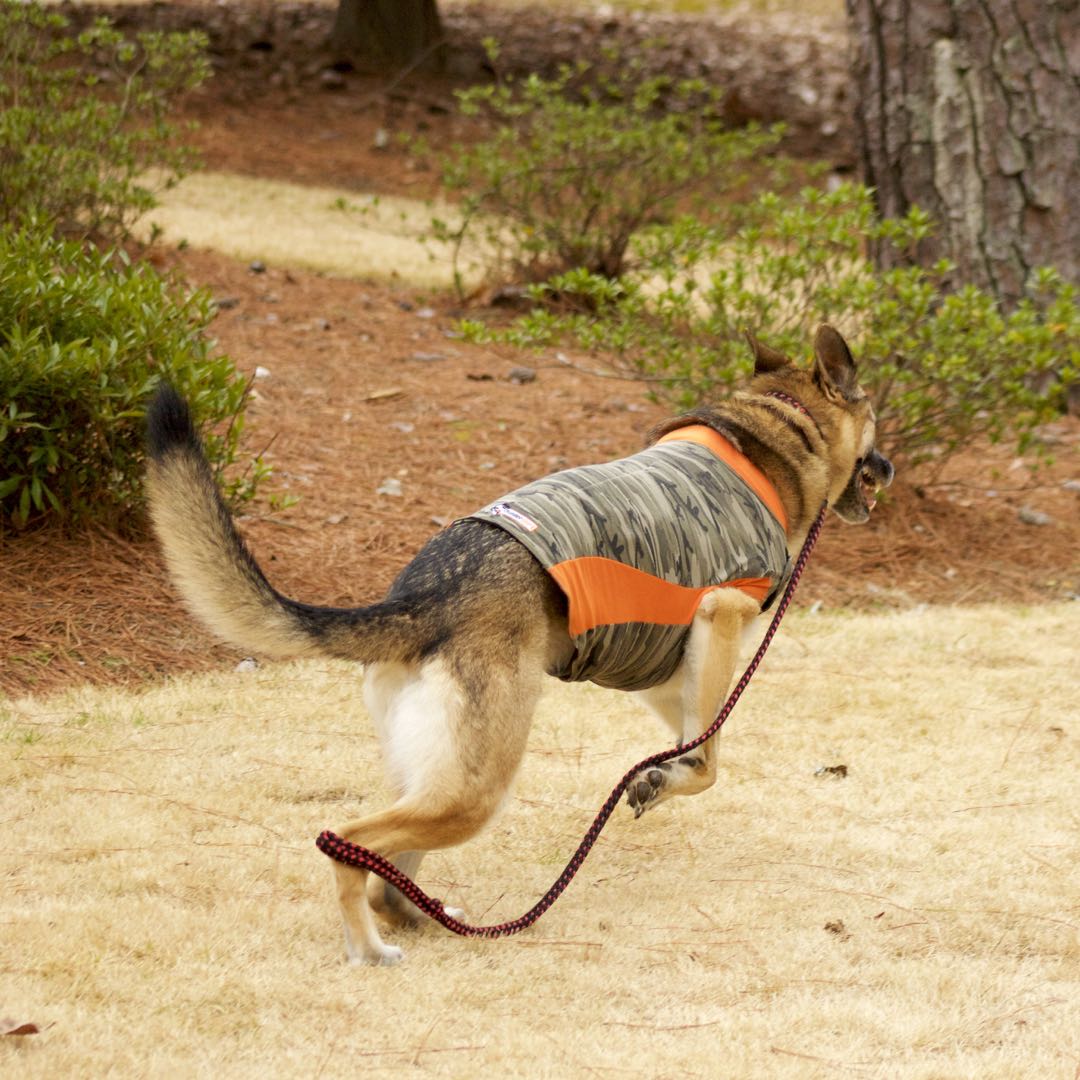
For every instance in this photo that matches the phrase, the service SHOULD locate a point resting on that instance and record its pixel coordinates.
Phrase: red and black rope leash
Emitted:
(344, 851)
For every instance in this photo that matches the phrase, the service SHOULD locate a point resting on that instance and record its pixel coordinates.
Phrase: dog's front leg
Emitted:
(691, 698)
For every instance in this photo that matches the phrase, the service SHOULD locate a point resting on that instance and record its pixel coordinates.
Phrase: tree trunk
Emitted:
(388, 35)
(971, 110)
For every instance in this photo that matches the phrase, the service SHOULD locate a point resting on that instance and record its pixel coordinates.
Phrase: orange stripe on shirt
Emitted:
(603, 592)
(751, 475)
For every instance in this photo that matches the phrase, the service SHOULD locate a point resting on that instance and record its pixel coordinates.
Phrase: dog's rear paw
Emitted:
(646, 789)
(370, 951)
(383, 956)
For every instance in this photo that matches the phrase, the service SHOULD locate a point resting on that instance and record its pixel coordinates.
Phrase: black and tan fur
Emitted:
(456, 653)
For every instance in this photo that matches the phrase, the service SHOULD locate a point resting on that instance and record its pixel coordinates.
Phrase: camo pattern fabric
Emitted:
(674, 511)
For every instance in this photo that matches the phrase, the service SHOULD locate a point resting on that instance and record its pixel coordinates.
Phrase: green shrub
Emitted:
(572, 172)
(85, 336)
(944, 367)
(84, 119)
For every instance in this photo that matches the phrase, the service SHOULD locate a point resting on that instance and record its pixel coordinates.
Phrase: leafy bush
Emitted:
(573, 172)
(944, 367)
(85, 336)
(83, 119)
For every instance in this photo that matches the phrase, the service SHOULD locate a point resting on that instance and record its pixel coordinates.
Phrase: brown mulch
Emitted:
(765, 67)
(365, 385)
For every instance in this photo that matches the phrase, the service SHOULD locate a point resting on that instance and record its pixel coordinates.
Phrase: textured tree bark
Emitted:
(385, 35)
(971, 110)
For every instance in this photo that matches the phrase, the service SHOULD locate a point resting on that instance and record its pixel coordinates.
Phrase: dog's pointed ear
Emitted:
(834, 366)
(765, 358)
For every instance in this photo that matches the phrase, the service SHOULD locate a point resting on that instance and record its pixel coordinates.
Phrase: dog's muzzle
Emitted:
(876, 473)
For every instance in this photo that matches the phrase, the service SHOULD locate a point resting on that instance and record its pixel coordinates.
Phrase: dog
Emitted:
(456, 654)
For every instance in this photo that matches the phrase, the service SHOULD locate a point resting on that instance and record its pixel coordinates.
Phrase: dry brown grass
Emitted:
(166, 913)
(332, 230)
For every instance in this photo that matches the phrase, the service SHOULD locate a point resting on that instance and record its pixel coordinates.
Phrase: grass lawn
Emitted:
(165, 911)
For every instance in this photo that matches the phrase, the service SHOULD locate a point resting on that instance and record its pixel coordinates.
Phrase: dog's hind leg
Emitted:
(691, 698)
(453, 732)
(405, 825)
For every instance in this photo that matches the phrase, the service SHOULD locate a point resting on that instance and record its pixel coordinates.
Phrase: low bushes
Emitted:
(573, 169)
(944, 367)
(84, 118)
(85, 335)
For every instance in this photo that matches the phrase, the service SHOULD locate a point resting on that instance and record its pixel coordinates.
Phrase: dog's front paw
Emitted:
(646, 788)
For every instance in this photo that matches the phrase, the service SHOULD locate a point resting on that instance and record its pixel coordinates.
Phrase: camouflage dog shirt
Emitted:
(636, 543)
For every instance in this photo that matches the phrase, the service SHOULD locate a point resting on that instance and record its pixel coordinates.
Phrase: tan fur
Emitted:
(689, 701)
(456, 652)
(187, 518)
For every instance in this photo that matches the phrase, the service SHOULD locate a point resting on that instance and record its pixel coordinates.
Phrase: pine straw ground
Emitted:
(167, 914)
(364, 386)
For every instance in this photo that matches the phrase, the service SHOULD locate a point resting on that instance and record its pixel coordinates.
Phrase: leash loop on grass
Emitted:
(344, 851)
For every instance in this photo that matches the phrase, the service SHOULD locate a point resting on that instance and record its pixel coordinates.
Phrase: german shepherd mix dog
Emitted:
(639, 574)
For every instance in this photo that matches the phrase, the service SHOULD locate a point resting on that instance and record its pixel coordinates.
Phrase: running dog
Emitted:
(639, 574)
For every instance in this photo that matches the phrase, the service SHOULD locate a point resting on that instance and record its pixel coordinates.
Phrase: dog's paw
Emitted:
(372, 952)
(397, 911)
(646, 788)
(383, 956)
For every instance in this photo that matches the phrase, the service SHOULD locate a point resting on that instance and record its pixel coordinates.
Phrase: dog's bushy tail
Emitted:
(217, 575)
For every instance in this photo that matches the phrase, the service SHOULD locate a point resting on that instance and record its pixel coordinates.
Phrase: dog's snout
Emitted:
(882, 468)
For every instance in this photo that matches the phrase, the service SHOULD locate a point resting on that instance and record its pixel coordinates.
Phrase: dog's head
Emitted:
(840, 409)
